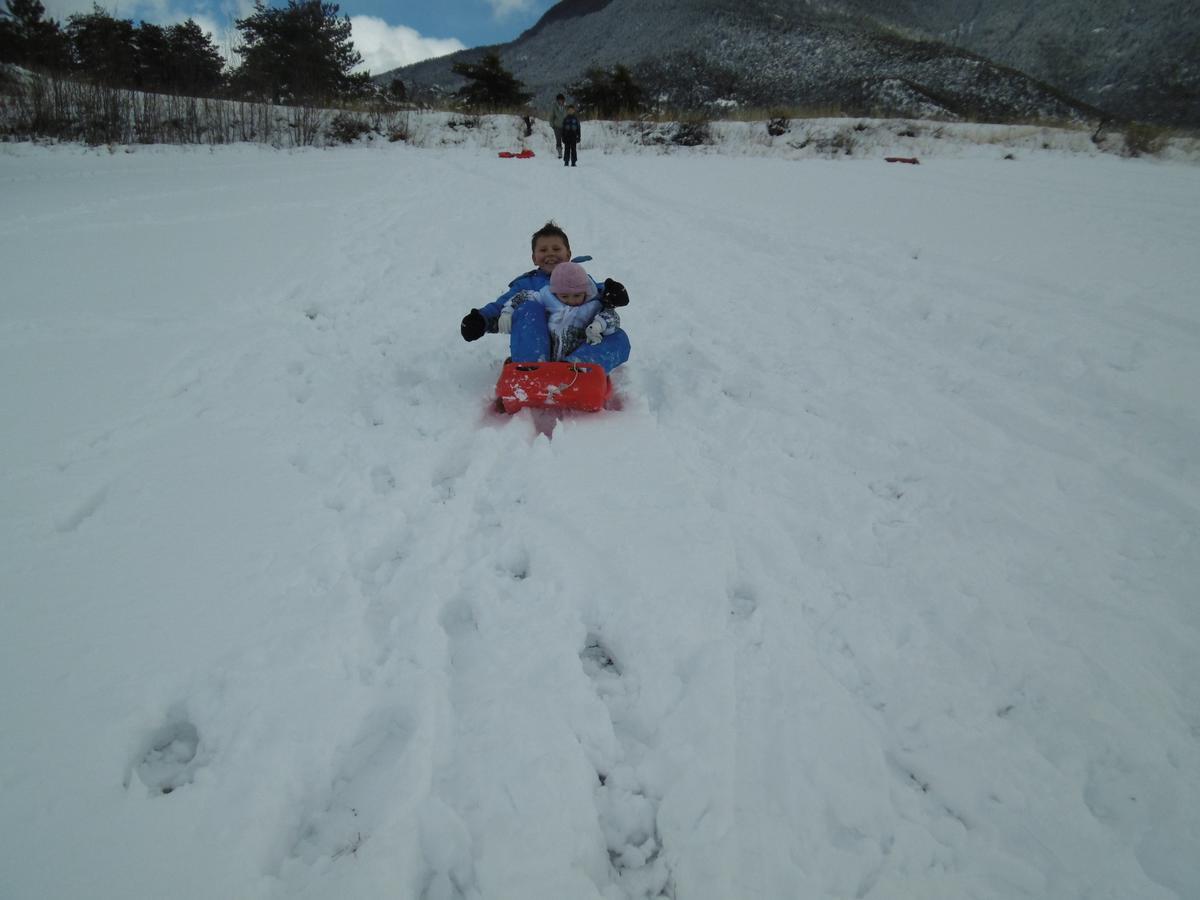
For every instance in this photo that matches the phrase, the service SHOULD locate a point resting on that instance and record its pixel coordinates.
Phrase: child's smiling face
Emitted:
(549, 251)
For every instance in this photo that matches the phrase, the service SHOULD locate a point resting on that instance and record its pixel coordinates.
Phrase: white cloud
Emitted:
(385, 46)
(61, 10)
(224, 37)
(502, 8)
(382, 46)
(166, 13)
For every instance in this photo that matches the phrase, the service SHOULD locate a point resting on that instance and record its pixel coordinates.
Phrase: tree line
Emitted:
(604, 92)
(299, 53)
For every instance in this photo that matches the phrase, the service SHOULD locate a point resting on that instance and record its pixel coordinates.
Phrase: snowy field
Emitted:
(882, 582)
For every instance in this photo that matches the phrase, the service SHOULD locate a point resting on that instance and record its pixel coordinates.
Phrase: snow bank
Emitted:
(821, 138)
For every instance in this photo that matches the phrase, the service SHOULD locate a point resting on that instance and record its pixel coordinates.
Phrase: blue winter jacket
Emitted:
(566, 324)
(532, 281)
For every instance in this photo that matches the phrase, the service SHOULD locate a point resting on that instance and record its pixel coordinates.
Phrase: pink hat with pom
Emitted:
(571, 278)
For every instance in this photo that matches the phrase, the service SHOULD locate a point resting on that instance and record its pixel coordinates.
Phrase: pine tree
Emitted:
(491, 87)
(298, 53)
(103, 48)
(197, 67)
(28, 39)
(609, 94)
(152, 57)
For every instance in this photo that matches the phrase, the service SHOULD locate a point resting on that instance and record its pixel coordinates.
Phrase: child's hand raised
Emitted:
(615, 293)
(474, 326)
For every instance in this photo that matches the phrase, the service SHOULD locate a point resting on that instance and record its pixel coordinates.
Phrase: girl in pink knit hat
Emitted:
(571, 284)
(567, 321)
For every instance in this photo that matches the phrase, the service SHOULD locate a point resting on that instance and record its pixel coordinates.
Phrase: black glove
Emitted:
(615, 293)
(474, 326)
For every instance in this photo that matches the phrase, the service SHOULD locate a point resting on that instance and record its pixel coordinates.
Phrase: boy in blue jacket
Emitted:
(570, 137)
(549, 246)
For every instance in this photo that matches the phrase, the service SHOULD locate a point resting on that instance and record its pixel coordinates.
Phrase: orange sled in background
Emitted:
(552, 385)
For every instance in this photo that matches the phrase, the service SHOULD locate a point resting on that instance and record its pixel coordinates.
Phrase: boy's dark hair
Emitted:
(560, 97)
(550, 229)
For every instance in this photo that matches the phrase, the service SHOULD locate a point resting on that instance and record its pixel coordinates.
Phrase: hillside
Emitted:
(1139, 61)
(692, 54)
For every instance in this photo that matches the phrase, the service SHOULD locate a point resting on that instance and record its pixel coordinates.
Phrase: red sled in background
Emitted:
(552, 385)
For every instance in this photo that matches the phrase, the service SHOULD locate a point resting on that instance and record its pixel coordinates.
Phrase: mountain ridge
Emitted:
(709, 54)
(1138, 62)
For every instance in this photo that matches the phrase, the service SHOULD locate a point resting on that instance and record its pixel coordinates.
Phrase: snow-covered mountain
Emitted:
(761, 54)
(1140, 61)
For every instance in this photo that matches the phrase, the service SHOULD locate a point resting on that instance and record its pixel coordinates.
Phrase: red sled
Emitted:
(552, 385)
(508, 154)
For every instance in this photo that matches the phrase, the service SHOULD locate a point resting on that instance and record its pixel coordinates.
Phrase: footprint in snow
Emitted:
(170, 761)
(627, 812)
(743, 601)
(382, 480)
(372, 775)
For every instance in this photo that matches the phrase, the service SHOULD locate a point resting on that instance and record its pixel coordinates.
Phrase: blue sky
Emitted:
(388, 33)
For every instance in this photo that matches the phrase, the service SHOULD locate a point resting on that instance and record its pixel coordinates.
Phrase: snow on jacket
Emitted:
(568, 324)
(532, 281)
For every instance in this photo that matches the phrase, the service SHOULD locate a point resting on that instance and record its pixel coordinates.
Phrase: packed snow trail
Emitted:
(879, 585)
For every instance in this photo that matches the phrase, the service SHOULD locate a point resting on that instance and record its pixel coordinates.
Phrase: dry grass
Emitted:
(47, 107)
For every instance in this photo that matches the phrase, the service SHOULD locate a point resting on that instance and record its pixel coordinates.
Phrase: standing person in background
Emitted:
(558, 112)
(570, 136)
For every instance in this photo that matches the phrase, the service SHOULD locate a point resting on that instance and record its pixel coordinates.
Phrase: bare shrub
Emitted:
(840, 143)
(1144, 140)
(346, 128)
(52, 107)
(395, 125)
(306, 123)
(692, 133)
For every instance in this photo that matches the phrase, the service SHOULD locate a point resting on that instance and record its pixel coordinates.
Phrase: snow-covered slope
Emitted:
(880, 584)
(1140, 61)
(703, 54)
